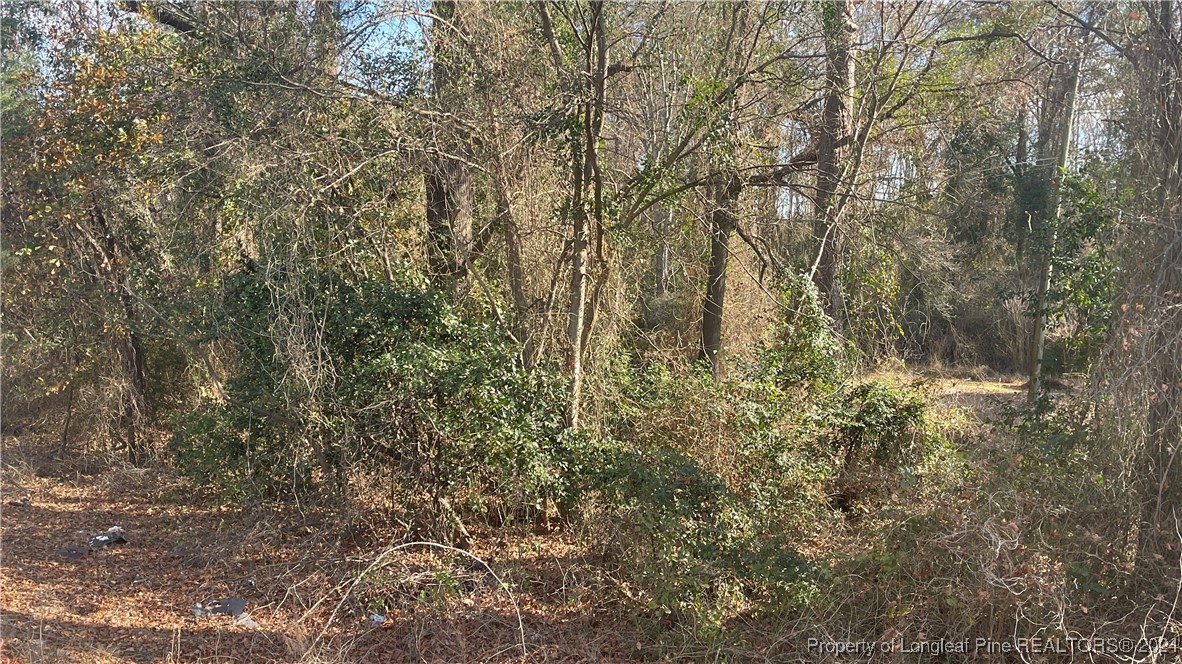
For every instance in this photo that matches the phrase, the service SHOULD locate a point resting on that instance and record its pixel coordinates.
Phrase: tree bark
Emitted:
(664, 225)
(586, 205)
(1056, 204)
(515, 266)
(1159, 68)
(722, 225)
(327, 21)
(133, 406)
(448, 179)
(836, 128)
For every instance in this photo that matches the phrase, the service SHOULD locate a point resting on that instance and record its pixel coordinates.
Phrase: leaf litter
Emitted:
(131, 594)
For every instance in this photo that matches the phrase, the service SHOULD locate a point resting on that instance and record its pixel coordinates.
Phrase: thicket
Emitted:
(699, 491)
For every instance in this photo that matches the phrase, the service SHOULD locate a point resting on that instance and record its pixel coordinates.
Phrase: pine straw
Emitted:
(132, 603)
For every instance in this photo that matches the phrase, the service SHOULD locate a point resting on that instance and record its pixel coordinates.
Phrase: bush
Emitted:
(704, 492)
(403, 386)
(693, 548)
(805, 352)
(876, 424)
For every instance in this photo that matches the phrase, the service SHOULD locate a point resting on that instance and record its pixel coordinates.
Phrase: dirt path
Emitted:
(980, 397)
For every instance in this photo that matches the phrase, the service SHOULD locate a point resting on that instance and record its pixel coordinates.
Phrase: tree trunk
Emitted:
(448, 180)
(449, 216)
(1159, 68)
(577, 312)
(1054, 203)
(836, 128)
(722, 225)
(327, 21)
(133, 409)
(515, 266)
(1022, 158)
(586, 206)
(664, 226)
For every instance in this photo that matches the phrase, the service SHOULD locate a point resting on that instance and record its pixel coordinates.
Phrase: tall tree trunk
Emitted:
(133, 406)
(1159, 136)
(722, 224)
(327, 21)
(586, 205)
(1055, 203)
(134, 409)
(448, 179)
(836, 129)
(449, 216)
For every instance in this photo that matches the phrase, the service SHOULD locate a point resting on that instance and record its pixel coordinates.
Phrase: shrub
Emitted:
(705, 493)
(694, 549)
(805, 353)
(876, 424)
(402, 386)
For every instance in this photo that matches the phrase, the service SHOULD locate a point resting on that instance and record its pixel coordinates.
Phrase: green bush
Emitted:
(710, 488)
(804, 353)
(404, 386)
(876, 424)
(694, 549)
(706, 492)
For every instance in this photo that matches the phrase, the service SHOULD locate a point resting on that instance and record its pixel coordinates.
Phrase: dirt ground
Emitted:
(134, 602)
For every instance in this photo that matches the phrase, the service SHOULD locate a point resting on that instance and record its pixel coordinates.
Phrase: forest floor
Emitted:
(294, 568)
(133, 602)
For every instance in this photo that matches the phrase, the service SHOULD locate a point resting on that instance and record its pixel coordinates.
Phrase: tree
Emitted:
(836, 129)
(448, 180)
(1055, 203)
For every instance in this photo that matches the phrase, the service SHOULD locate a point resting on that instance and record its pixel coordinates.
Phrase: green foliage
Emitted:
(872, 296)
(709, 487)
(805, 352)
(1049, 431)
(19, 40)
(1031, 188)
(875, 423)
(252, 220)
(1085, 288)
(1078, 245)
(695, 549)
(407, 386)
(702, 487)
(398, 72)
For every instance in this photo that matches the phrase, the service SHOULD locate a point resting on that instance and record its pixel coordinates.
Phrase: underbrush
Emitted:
(406, 397)
(1027, 531)
(707, 499)
(785, 502)
(719, 499)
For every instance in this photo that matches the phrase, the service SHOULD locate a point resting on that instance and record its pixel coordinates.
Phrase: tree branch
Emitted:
(161, 12)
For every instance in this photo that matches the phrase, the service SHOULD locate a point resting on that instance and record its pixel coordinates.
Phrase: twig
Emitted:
(374, 564)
